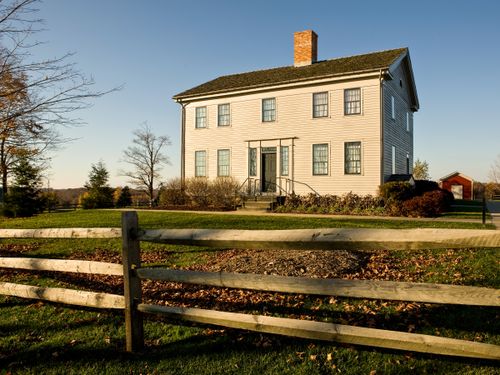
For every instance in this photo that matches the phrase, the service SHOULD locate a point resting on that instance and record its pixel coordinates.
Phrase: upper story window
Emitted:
(284, 160)
(320, 159)
(268, 109)
(252, 162)
(222, 163)
(200, 163)
(352, 158)
(393, 108)
(352, 101)
(320, 104)
(407, 121)
(223, 117)
(201, 117)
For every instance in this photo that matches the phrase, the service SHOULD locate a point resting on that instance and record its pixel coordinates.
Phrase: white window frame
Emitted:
(320, 110)
(198, 166)
(272, 111)
(393, 160)
(284, 162)
(200, 122)
(220, 171)
(252, 164)
(224, 119)
(315, 162)
(393, 108)
(348, 161)
(349, 109)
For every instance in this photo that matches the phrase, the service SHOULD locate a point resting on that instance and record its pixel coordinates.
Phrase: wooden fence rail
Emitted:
(386, 290)
(133, 273)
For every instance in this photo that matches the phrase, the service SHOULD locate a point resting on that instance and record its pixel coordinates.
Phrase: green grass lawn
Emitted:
(38, 337)
(155, 220)
(466, 209)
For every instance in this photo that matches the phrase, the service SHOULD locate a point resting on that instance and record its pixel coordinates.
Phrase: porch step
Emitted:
(258, 205)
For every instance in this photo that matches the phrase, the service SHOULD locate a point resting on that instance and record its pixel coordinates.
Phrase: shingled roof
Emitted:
(290, 74)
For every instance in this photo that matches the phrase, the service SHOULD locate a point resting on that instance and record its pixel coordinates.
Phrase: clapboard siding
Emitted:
(294, 119)
(395, 130)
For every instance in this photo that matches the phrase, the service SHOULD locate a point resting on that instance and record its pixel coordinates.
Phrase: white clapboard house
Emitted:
(331, 126)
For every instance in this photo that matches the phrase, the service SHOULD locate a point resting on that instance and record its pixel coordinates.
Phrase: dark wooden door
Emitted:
(269, 172)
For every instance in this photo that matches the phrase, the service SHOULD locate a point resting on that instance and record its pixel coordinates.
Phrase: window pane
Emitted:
(200, 163)
(320, 159)
(223, 115)
(222, 162)
(284, 160)
(352, 101)
(201, 117)
(268, 109)
(320, 104)
(352, 158)
(252, 162)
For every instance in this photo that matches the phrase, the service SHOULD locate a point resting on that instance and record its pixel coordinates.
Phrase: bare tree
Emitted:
(147, 159)
(494, 173)
(37, 97)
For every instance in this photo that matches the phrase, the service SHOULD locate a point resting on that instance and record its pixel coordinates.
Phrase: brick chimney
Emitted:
(305, 45)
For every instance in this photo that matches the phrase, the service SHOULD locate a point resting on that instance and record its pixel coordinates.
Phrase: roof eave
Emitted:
(247, 89)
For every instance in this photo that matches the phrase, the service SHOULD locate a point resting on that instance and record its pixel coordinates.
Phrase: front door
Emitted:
(269, 172)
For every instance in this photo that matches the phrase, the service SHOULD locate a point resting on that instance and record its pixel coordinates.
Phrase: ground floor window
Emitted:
(393, 160)
(252, 162)
(352, 151)
(284, 160)
(222, 163)
(200, 162)
(320, 159)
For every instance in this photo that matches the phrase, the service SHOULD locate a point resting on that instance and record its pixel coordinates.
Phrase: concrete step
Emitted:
(262, 206)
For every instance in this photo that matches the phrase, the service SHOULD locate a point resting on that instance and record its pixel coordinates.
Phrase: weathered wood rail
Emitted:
(133, 274)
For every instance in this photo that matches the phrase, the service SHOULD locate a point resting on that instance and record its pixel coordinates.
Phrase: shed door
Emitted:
(458, 191)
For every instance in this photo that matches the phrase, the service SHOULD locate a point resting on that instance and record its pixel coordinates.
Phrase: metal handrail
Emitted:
(302, 183)
(277, 185)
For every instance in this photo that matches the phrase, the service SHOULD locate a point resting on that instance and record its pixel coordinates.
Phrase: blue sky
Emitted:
(159, 48)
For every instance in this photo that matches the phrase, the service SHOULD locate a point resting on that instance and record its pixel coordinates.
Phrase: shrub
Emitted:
(224, 192)
(198, 191)
(349, 203)
(430, 204)
(396, 191)
(423, 186)
(172, 193)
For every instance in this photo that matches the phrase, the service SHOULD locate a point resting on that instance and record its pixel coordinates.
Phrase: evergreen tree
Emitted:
(24, 196)
(99, 194)
(125, 198)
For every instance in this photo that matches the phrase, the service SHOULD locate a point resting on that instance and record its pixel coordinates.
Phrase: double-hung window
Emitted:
(352, 101)
(320, 159)
(320, 104)
(284, 160)
(201, 117)
(352, 158)
(223, 117)
(393, 108)
(222, 163)
(252, 161)
(200, 162)
(268, 109)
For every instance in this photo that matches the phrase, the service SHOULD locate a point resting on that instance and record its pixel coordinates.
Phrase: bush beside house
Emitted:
(425, 199)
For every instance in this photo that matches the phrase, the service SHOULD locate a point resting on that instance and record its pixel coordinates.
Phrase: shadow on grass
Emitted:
(210, 354)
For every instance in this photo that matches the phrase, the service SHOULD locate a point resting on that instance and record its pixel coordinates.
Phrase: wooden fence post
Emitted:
(131, 258)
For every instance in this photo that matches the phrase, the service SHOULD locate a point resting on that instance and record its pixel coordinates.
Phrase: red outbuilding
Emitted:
(459, 184)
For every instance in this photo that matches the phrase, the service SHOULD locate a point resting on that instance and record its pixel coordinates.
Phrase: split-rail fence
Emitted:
(133, 273)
